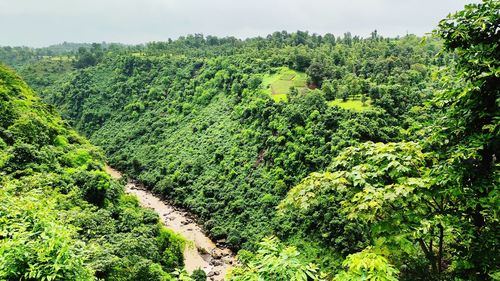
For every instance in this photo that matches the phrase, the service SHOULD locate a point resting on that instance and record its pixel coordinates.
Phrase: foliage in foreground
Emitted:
(274, 261)
(432, 207)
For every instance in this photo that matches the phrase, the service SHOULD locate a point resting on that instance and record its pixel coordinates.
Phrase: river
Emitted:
(201, 251)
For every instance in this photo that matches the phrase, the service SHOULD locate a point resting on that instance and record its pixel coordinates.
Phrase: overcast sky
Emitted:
(45, 22)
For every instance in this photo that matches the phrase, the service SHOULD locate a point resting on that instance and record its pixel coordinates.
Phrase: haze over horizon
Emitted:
(42, 23)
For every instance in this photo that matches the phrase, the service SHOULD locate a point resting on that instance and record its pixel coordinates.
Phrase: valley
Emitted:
(289, 156)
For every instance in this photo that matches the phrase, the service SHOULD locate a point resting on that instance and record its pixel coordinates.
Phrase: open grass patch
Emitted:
(300, 81)
(352, 104)
(278, 84)
(280, 97)
(288, 76)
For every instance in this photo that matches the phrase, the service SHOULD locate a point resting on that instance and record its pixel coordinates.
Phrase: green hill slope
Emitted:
(61, 216)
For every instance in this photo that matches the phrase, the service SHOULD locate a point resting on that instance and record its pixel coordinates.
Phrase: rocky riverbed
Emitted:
(201, 251)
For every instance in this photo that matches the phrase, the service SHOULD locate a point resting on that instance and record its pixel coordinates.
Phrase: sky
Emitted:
(39, 23)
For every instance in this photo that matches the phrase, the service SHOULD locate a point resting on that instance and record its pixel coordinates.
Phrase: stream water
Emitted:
(201, 251)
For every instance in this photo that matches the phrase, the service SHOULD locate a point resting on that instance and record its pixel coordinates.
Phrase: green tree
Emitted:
(368, 266)
(274, 261)
(328, 89)
(466, 136)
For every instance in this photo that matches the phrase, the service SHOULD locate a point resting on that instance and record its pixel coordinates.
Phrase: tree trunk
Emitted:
(440, 253)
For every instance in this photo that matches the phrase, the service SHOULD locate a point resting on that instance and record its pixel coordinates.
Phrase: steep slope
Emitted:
(62, 217)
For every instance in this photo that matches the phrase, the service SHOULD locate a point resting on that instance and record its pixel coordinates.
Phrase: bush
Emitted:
(199, 275)
(94, 186)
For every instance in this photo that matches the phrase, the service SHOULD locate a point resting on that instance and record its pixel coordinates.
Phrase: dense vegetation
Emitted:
(61, 216)
(201, 129)
(383, 165)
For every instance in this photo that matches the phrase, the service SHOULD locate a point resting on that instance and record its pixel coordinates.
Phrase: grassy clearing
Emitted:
(279, 97)
(300, 81)
(59, 58)
(351, 104)
(63, 58)
(288, 76)
(278, 85)
(138, 54)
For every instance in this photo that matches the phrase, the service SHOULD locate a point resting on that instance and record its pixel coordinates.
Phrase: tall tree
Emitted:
(466, 138)
(438, 200)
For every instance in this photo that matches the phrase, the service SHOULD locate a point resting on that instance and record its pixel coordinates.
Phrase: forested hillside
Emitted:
(61, 216)
(191, 119)
(316, 157)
